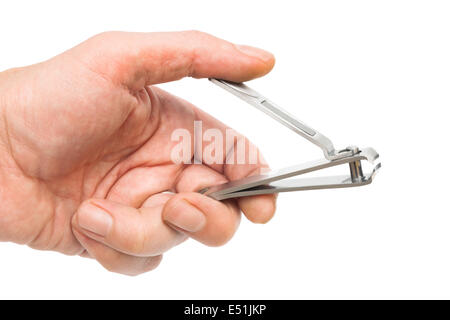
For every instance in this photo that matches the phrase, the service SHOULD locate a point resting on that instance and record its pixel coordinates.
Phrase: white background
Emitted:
(371, 73)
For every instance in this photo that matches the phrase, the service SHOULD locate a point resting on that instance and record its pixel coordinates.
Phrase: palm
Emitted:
(117, 141)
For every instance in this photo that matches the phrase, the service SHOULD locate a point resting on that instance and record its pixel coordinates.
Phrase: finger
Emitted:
(222, 219)
(259, 208)
(240, 159)
(137, 184)
(196, 177)
(202, 218)
(114, 260)
(139, 59)
(137, 232)
(232, 155)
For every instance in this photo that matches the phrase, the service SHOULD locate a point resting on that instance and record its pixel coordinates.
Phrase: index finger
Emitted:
(239, 159)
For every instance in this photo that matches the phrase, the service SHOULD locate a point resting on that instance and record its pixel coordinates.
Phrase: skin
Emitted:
(87, 130)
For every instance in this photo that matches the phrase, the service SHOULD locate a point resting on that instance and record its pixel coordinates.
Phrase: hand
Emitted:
(85, 145)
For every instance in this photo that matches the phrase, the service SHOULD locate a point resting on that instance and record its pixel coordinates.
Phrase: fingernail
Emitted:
(255, 52)
(94, 219)
(185, 216)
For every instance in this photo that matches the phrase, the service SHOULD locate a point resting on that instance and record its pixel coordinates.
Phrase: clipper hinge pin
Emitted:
(356, 171)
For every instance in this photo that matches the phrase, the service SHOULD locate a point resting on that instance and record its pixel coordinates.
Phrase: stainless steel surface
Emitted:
(278, 181)
(264, 183)
(331, 182)
(356, 171)
(270, 108)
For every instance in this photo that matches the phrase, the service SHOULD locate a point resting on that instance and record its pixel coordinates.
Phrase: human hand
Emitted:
(85, 145)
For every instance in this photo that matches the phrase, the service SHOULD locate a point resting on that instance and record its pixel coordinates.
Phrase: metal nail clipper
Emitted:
(276, 181)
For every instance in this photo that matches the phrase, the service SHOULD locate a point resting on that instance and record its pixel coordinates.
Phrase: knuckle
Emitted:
(197, 37)
(141, 243)
(196, 33)
(102, 41)
(137, 245)
(106, 35)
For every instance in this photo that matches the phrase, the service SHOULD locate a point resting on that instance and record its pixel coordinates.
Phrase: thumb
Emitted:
(139, 59)
(136, 232)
